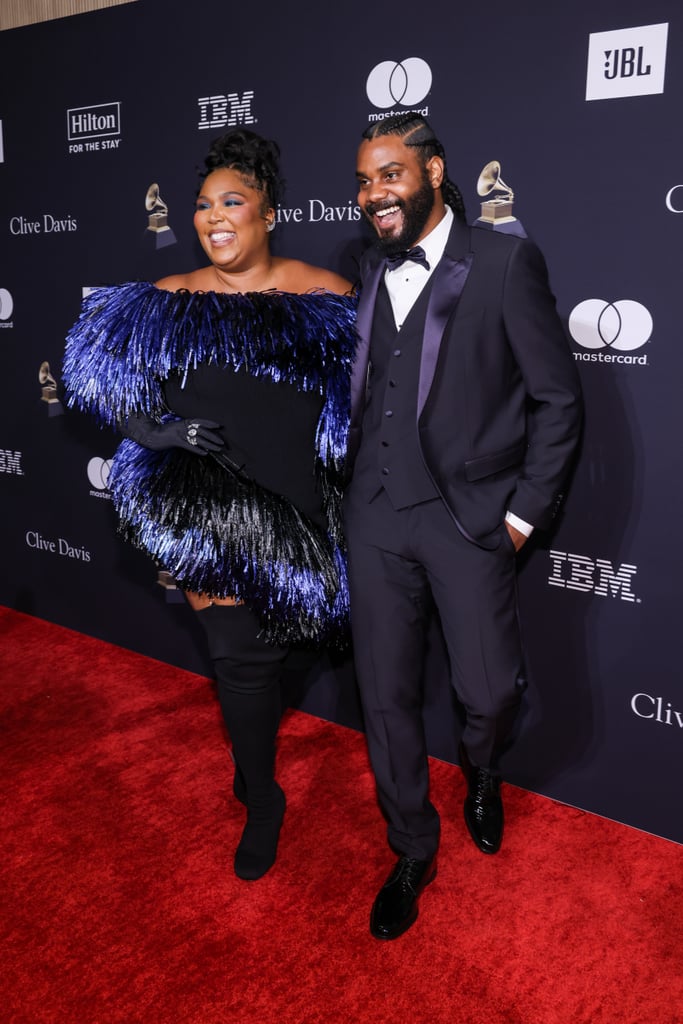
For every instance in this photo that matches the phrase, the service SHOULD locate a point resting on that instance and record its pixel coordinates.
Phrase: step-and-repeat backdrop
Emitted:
(576, 110)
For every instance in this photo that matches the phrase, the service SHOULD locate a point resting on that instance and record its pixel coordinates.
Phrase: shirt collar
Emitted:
(435, 242)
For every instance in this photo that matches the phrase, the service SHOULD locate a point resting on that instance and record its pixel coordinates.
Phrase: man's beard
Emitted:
(416, 211)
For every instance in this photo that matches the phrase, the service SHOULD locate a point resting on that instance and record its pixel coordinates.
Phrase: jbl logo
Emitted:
(626, 62)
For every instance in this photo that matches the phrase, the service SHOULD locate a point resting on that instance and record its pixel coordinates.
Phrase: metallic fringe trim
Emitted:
(221, 537)
(130, 338)
(214, 534)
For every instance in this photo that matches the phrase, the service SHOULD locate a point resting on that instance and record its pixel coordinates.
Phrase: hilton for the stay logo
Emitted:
(90, 129)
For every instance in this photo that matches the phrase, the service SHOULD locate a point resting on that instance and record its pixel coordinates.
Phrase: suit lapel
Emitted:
(448, 282)
(450, 276)
(366, 309)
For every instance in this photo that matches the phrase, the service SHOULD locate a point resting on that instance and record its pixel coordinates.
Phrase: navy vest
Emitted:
(389, 454)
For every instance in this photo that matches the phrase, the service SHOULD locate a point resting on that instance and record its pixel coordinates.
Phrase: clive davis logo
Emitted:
(626, 62)
(674, 199)
(404, 83)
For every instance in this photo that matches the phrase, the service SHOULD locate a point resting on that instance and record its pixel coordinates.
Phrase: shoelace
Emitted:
(485, 785)
(407, 871)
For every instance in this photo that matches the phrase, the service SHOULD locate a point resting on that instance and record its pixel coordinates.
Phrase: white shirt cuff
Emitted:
(519, 524)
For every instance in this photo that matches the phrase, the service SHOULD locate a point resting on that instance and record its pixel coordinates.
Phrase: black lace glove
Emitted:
(194, 435)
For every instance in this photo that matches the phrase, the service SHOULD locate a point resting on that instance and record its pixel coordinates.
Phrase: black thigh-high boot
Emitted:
(248, 678)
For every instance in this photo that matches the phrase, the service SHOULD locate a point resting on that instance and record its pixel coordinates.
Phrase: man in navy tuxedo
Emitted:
(465, 416)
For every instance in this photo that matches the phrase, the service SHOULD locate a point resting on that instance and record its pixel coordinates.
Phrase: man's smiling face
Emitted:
(397, 192)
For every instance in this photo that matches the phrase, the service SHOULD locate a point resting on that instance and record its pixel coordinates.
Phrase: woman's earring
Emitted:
(270, 225)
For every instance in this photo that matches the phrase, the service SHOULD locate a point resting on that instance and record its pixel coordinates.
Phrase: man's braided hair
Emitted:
(415, 131)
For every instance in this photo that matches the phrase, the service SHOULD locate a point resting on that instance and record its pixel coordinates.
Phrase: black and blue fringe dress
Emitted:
(273, 369)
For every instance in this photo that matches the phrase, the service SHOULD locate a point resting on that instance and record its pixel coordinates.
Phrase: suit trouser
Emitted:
(399, 563)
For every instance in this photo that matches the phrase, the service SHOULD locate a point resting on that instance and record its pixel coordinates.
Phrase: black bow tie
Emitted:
(417, 255)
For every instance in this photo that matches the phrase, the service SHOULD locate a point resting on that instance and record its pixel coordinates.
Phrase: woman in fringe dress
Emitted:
(230, 384)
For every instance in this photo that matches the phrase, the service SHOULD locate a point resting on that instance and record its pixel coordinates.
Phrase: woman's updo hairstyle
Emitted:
(252, 156)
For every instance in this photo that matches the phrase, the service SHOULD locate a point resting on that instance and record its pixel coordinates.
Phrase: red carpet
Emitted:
(119, 903)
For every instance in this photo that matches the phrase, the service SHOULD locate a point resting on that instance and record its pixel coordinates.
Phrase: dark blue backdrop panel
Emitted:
(97, 109)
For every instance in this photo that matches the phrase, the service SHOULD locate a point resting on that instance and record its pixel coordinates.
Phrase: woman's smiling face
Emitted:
(231, 219)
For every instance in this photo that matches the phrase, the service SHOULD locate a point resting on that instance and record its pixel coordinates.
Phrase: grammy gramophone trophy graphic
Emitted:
(498, 209)
(48, 390)
(157, 222)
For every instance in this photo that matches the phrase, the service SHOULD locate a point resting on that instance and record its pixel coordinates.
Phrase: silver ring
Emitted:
(191, 440)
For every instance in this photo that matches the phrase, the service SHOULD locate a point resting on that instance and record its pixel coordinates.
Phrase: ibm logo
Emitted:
(628, 62)
(578, 572)
(222, 111)
(10, 462)
(93, 122)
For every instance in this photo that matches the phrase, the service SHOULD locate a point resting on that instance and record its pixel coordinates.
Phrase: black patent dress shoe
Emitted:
(395, 908)
(483, 805)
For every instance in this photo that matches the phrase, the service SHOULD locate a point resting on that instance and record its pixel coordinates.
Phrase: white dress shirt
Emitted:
(405, 283)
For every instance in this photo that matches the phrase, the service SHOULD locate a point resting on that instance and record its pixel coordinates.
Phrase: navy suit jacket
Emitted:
(499, 403)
